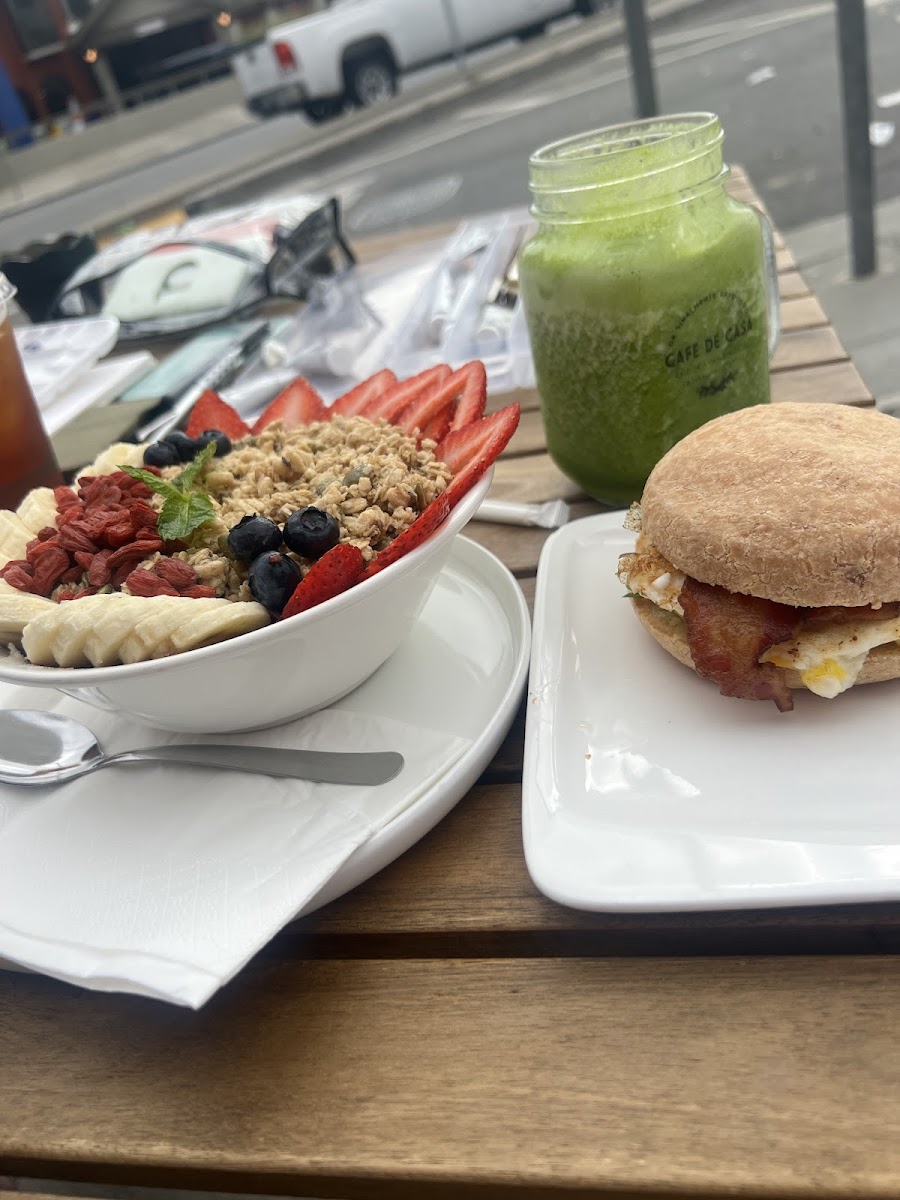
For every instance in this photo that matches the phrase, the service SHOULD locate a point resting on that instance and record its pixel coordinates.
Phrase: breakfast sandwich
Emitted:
(768, 551)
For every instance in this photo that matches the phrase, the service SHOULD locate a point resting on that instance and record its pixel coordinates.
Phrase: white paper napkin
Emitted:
(164, 881)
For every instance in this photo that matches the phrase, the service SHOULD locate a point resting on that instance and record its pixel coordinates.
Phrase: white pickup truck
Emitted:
(354, 52)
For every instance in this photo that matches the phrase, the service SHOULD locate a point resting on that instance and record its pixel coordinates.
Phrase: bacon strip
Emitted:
(727, 633)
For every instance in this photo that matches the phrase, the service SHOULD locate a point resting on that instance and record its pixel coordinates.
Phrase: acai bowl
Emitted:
(286, 595)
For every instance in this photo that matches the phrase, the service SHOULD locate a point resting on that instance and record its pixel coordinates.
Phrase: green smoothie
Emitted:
(642, 328)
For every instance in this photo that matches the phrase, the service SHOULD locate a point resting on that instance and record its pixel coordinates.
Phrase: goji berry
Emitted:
(36, 550)
(65, 498)
(14, 563)
(45, 534)
(146, 583)
(142, 516)
(72, 575)
(200, 591)
(135, 551)
(71, 537)
(98, 572)
(18, 575)
(84, 558)
(177, 572)
(48, 569)
(93, 527)
(118, 533)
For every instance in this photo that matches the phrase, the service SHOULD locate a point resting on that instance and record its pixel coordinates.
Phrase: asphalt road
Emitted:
(769, 70)
(93, 206)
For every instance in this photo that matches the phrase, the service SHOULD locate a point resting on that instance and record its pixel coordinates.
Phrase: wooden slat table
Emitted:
(446, 1032)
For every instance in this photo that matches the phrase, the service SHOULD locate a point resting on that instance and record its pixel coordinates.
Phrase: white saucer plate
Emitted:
(463, 669)
(645, 790)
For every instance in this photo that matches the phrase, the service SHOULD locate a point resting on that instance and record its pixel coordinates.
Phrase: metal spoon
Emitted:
(42, 748)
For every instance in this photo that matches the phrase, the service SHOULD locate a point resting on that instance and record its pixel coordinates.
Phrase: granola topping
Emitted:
(369, 475)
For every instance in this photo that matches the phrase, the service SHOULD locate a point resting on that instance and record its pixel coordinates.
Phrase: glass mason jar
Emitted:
(26, 456)
(651, 296)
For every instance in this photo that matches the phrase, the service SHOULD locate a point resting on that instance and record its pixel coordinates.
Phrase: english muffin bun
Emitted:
(669, 630)
(797, 503)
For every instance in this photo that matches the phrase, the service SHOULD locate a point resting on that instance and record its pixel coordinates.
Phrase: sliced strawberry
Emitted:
(437, 398)
(390, 404)
(211, 412)
(423, 527)
(468, 452)
(439, 426)
(298, 404)
(338, 569)
(352, 403)
(474, 395)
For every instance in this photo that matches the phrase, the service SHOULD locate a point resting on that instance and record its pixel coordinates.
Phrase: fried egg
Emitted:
(646, 573)
(830, 658)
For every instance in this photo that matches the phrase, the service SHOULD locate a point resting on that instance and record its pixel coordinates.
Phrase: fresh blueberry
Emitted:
(273, 577)
(309, 532)
(161, 454)
(253, 536)
(185, 447)
(223, 442)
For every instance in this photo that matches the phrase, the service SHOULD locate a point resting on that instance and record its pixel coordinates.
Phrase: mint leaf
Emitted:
(181, 515)
(183, 510)
(162, 487)
(188, 477)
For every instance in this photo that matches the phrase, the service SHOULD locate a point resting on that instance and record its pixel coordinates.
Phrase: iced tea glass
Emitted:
(26, 456)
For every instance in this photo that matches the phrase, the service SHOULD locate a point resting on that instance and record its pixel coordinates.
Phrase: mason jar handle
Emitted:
(773, 296)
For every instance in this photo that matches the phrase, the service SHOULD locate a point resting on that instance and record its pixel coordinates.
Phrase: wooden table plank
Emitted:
(837, 383)
(520, 547)
(529, 438)
(808, 348)
(784, 260)
(532, 478)
(791, 284)
(411, 909)
(804, 312)
(405, 1079)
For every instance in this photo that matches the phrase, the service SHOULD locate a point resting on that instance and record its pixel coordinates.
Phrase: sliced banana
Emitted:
(216, 626)
(101, 630)
(121, 454)
(14, 535)
(152, 636)
(76, 622)
(104, 644)
(38, 510)
(16, 610)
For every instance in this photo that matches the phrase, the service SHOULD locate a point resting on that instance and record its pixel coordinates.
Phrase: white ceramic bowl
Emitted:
(275, 674)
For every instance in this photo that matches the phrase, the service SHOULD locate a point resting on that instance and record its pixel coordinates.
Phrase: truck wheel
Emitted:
(323, 110)
(370, 79)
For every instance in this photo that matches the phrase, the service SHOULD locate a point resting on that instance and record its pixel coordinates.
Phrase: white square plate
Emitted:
(645, 790)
